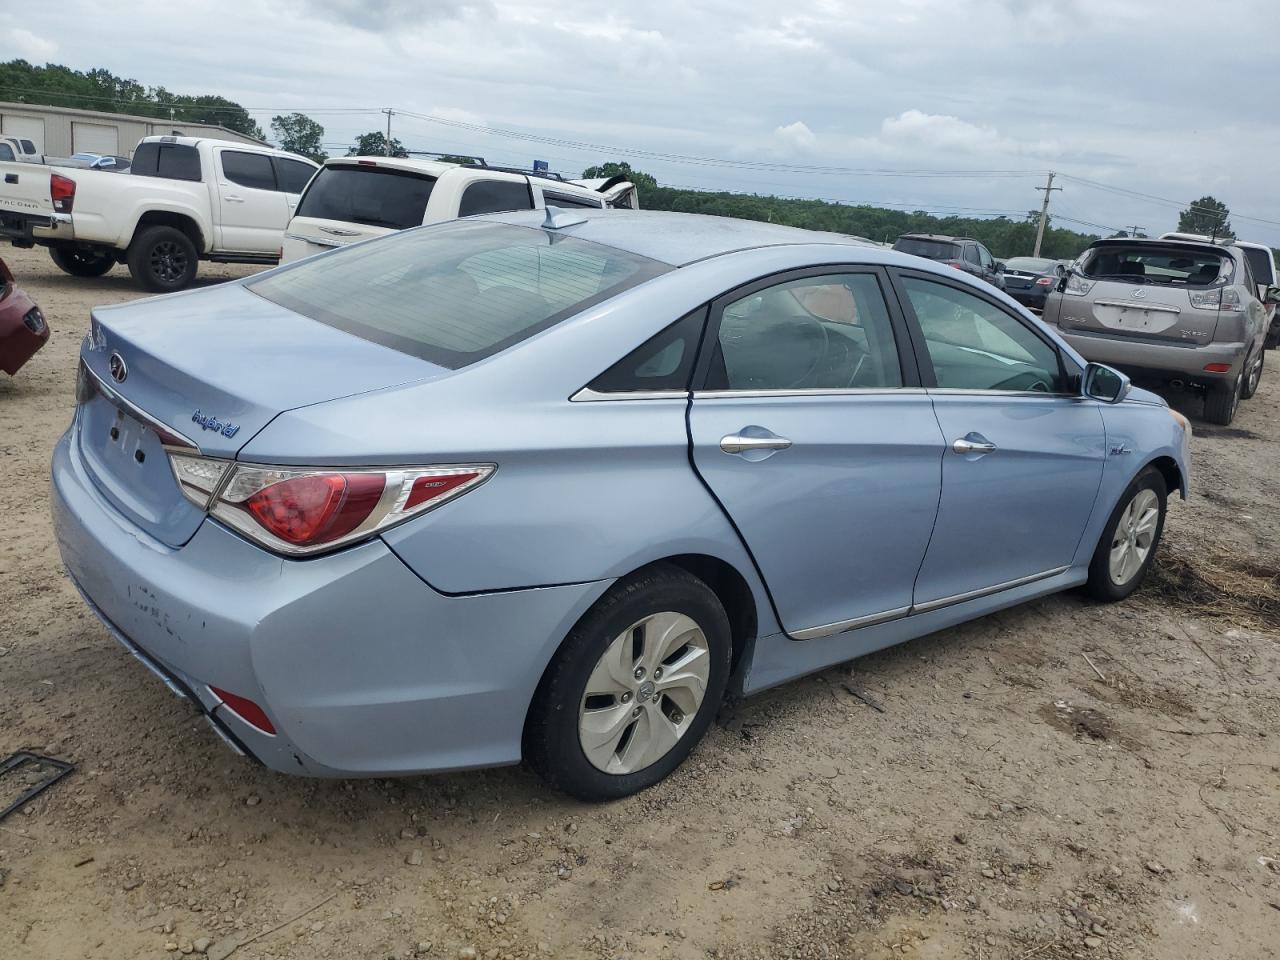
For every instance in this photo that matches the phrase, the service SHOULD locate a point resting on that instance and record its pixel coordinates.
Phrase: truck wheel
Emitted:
(1220, 402)
(82, 261)
(1254, 376)
(162, 259)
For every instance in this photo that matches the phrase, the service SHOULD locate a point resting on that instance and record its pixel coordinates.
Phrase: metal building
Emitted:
(62, 131)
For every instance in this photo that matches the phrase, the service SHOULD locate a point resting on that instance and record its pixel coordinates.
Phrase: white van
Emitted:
(355, 198)
(1262, 264)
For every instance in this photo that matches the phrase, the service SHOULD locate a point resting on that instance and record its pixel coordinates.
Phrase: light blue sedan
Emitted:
(511, 488)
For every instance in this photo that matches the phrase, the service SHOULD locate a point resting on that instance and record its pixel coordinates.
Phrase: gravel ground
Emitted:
(996, 796)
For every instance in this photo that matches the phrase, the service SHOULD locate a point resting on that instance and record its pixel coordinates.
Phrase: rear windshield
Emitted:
(375, 196)
(933, 249)
(1167, 265)
(456, 292)
(175, 161)
(1031, 265)
(1260, 265)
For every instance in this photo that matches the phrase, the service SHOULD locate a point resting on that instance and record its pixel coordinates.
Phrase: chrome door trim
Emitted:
(968, 392)
(587, 395)
(941, 602)
(808, 392)
(898, 613)
(826, 630)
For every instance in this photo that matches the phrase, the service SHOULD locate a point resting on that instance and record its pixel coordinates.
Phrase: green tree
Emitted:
(1207, 216)
(374, 144)
(299, 134)
(643, 181)
(458, 158)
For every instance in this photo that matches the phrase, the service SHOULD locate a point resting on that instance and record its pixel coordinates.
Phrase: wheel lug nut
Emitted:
(626, 698)
(635, 712)
(657, 674)
(677, 717)
(639, 674)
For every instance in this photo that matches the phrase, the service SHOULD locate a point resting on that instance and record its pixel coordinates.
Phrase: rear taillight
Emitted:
(1217, 368)
(1045, 281)
(299, 511)
(62, 191)
(1219, 298)
(958, 264)
(246, 710)
(1078, 285)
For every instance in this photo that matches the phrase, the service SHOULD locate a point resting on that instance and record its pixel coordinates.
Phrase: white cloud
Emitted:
(794, 137)
(25, 44)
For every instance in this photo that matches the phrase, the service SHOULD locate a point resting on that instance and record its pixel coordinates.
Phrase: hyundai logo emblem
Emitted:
(118, 369)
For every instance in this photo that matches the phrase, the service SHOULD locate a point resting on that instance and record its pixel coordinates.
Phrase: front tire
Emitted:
(633, 688)
(1129, 541)
(82, 261)
(162, 259)
(1253, 378)
(1221, 402)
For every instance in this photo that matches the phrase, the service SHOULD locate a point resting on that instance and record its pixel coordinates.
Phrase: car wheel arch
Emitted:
(1172, 473)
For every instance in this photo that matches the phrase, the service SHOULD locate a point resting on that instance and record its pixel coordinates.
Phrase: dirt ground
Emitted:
(996, 795)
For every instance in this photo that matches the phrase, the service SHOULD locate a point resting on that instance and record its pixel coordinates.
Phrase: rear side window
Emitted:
(292, 176)
(1260, 265)
(369, 195)
(176, 161)
(251, 170)
(6, 152)
(494, 196)
(930, 249)
(28, 146)
(971, 254)
(663, 362)
(456, 292)
(564, 200)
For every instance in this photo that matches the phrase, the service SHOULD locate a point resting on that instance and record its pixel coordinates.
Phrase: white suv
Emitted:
(355, 198)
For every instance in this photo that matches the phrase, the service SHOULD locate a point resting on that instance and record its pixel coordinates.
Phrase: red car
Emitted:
(22, 327)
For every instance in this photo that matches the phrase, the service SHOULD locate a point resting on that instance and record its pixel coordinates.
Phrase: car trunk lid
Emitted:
(1145, 311)
(208, 370)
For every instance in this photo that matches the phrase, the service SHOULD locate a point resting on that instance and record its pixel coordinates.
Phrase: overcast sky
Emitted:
(1172, 98)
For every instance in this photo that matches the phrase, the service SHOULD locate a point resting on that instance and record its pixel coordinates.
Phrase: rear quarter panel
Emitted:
(108, 206)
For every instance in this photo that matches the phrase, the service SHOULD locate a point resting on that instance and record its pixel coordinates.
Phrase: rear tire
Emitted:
(606, 690)
(1129, 541)
(1254, 376)
(1221, 402)
(162, 259)
(82, 261)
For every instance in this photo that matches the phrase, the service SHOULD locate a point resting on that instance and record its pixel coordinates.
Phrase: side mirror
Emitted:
(1104, 383)
(1273, 295)
(999, 266)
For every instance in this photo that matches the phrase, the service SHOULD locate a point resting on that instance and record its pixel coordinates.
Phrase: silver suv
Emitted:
(1171, 313)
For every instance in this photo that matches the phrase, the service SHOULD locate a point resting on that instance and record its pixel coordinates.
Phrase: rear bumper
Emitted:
(18, 342)
(1031, 297)
(1154, 361)
(24, 229)
(361, 667)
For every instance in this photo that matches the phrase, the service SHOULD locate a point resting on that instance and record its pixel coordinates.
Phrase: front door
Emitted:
(1024, 451)
(252, 213)
(812, 431)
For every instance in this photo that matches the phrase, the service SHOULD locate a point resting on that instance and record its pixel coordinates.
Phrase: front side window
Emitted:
(457, 292)
(494, 196)
(251, 170)
(974, 345)
(985, 255)
(829, 332)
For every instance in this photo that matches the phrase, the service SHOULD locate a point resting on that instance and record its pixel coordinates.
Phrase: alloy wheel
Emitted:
(1134, 536)
(168, 261)
(644, 692)
(1255, 374)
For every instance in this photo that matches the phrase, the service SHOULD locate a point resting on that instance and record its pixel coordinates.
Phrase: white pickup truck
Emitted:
(184, 199)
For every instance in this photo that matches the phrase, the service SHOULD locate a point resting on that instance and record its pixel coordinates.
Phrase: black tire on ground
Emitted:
(1220, 402)
(1101, 584)
(82, 261)
(1254, 376)
(162, 259)
(552, 744)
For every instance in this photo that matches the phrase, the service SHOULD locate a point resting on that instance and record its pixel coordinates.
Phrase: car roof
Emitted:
(437, 168)
(682, 238)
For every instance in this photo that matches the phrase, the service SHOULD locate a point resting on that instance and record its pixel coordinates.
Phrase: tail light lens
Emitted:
(62, 191)
(301, 511)
(1078, 285)
(958, 264)
(1219, 298)
(1046, 281)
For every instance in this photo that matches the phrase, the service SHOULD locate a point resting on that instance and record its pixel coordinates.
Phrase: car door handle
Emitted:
(738, 443)
(973, 443)
(232, 198)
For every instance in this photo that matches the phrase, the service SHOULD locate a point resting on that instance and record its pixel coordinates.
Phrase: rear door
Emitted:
(252, 213)
(811, 429)
(1024, 452)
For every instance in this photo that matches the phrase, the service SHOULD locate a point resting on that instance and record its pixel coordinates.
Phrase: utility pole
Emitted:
(1048, 188)
(1133, 230)
(386, 149)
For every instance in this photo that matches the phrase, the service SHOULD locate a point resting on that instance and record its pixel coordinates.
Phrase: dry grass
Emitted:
(1209, 580)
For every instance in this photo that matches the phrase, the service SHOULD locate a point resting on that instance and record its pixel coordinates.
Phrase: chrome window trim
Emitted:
(810, 392)
(136, 412)
(898, 613)
(975, 392)
(587, 395)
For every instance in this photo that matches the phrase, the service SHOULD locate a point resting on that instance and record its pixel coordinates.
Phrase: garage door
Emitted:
(95, 138)
(26, 128)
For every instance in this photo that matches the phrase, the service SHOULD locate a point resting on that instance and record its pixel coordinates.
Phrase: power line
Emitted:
(1122, 191)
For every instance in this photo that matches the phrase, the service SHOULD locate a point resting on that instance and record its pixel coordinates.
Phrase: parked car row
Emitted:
(181, 200)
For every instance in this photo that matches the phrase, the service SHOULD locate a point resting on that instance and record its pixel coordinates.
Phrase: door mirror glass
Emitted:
(1105, 383)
